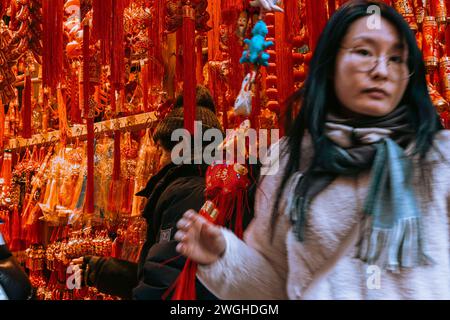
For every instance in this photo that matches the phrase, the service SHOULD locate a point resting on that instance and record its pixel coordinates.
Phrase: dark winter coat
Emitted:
(170, 193)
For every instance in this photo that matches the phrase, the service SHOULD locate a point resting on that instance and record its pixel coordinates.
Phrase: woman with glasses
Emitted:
(360, 206)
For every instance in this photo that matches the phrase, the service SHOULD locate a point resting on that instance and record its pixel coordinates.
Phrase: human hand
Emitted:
(200, 240)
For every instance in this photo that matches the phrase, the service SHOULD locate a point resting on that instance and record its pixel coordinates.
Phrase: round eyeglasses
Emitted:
(365, 61)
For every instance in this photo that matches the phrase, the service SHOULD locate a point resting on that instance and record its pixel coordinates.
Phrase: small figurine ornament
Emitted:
(256, 46)
(243, 104)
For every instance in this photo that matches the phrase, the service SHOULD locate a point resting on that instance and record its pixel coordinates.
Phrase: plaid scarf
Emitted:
(390, 236)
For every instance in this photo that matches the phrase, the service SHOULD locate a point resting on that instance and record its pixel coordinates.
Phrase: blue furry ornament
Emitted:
(256, 46)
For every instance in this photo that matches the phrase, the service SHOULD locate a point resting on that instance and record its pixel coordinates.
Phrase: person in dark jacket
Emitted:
(14, 282)
(170, 193)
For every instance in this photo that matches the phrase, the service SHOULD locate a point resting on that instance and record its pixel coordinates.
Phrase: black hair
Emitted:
(317, 95)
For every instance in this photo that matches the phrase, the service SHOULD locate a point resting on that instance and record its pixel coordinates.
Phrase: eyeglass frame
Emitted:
(377, 62)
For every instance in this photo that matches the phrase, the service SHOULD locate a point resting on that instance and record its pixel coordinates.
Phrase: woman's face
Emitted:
(371, 72)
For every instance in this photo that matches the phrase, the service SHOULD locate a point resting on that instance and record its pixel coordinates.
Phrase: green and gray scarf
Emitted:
(391, 234)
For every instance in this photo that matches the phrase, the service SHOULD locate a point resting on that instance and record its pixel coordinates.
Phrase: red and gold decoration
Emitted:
(84, 82)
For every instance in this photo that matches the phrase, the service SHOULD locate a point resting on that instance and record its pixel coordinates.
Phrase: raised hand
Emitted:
(200, 240)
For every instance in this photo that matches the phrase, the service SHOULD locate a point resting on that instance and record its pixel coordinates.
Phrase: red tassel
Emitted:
(116, 251)
(256, 106)
(102, 22)
(316, 18)
(7, 169)
(284, 64)
(26, 108)
(75, 112)
(52, 52)
(185, 284)
(180, 60)
(2, 123)
(199, 62)
(86, 62)
(90, 167)
(145, 76)
(236, 68)
(230, 10)
(190, 81)
(225, 112)
(116, 163)
(293, 21)
(156, 32)
(118, 47)
(16, 243)
(331, 7)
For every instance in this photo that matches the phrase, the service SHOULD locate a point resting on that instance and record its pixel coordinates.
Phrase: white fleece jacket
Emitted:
(323, 266)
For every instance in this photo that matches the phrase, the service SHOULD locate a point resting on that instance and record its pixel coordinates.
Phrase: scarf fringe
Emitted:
(393, 249)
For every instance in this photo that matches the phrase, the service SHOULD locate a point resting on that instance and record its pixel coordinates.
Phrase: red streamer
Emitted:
(52, 52)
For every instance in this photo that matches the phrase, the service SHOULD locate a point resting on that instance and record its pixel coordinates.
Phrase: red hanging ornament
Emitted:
(406, 9)
(226, 187)
(430, 51)
(53, 45)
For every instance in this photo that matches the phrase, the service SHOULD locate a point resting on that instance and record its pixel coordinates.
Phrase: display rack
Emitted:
(130, 123)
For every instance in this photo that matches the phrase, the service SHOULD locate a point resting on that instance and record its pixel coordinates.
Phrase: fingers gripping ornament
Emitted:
(267, 5)
(226, 191)
(256, 46)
